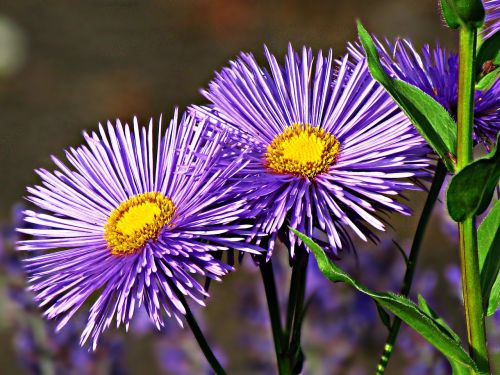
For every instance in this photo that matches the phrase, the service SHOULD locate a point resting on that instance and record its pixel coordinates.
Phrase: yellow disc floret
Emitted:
(136, 221)
(302, 149)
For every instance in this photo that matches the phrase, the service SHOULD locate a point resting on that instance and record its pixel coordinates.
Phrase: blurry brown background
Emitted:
(67, 65)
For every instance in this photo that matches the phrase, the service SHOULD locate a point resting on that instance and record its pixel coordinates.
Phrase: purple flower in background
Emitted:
(39, 348)
(435, 71)
(492, 19)
(324, 153)
(131, 223)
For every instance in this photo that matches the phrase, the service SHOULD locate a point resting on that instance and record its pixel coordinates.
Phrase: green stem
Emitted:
(200, 338)
(437, 183)
(267, 273)
(296, 307)
(471, 286)
(465, 105)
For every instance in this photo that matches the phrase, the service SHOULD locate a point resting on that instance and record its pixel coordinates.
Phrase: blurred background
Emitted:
(65, 66)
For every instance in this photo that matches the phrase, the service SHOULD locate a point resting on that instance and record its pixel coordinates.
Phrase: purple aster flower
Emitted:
(435, 71)
(324, 153)
(131, 223)
(492, 19)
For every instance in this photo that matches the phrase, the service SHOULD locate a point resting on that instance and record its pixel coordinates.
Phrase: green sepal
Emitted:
(400, 306)
(471, 189)
(429, 117)
(468, 13)
(449, 15)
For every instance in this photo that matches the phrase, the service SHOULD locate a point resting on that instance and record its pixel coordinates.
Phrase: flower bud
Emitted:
(463, 12)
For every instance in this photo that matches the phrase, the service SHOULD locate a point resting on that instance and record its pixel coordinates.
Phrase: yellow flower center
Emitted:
(302, 150)
(136, 221)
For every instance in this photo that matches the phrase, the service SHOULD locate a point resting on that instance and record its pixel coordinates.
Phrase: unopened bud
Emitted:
(463, 12)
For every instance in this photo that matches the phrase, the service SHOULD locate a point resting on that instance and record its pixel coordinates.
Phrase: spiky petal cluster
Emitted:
(435, 71)
(126, 180)
(492, 19)
(372, 147)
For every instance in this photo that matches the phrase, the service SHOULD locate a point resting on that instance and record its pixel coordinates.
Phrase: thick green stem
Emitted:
(471, 286)
(437, 183)
(296, 307)
(200, 338)
(465, 105)
(267, 273)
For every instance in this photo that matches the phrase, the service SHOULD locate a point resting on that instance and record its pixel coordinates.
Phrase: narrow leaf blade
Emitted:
(400, 306)
(422, 303)
(488, 244)
(488, 80)
(431, 120)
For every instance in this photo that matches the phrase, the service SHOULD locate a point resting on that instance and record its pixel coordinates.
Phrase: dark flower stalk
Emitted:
(411, 262)
(296, 309)
(200, 338)
(267, 273)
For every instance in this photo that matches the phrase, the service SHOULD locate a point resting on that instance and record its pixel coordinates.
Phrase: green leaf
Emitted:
(449, 15)
(488, 80)
(430, 118)
(471, 189)
(488, 243)
(400, 306)
(445, 328)
(494, 298)
(460, 370)
(489, 51)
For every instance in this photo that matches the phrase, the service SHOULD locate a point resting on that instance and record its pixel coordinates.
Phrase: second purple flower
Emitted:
(329, 153)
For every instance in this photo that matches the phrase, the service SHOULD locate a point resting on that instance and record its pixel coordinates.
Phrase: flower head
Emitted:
(131, 222)
(435, 71)
(324, 154)
(492, 19)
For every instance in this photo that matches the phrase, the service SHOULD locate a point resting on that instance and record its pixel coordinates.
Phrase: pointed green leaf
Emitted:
(488, 244)
(488, 80)
(430, 118)
(494, 298)
(445, 328)
(471, 189)
(400, 306)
